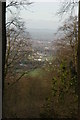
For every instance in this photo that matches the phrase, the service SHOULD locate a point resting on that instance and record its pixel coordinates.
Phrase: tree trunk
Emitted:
(3, 39)
(78, 63)
(3, 47)
(0, 60)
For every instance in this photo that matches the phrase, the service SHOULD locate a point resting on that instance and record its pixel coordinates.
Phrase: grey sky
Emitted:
(42, 15)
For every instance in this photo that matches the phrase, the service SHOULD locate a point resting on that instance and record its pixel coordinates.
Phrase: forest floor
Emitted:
(27, 96)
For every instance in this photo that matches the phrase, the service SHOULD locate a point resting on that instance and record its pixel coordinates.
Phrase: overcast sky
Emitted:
(42, 15)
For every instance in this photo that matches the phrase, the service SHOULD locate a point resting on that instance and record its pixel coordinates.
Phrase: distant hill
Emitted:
(42, 34)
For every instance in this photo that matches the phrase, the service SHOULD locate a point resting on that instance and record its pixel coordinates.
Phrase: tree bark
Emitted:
(78, 62)
(0, 60)
(3, 47)
(3, 39)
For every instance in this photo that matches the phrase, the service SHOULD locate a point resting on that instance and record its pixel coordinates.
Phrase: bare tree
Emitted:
(68, 34)
(69, 7)
(18, 48)
(18, 44)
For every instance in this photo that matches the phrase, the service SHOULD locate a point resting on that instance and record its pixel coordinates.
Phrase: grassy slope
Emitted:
(26, 96)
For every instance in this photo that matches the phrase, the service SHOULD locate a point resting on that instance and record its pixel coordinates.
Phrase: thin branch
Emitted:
(17, 80)
(18, 4)
(67, 7)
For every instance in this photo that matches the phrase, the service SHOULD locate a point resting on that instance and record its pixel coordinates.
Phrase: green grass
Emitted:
(37, 73)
